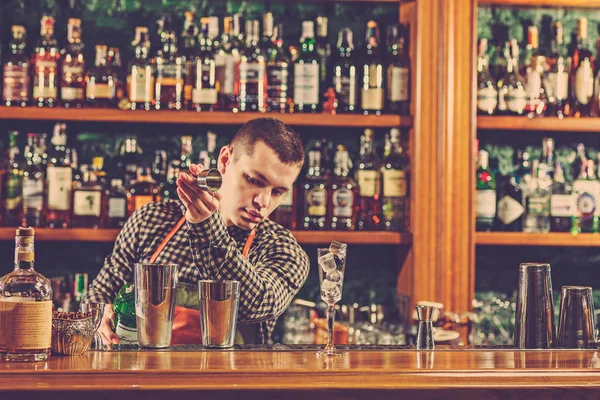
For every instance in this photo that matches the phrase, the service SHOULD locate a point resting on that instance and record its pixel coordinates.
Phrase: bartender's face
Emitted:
(253, 184)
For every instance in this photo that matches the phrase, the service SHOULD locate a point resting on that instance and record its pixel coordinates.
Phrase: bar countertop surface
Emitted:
(466, 374)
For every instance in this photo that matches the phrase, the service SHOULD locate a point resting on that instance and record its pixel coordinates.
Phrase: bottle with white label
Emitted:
(373, 92)
(512, 97)
(251, 72)
(343, 192)
(116, 205)
(140, 77)
(25, 306)
(582, 73)
(59, 178)
(72, 66)
(226, 57)
(535, 71)
(586, 190)
(345, 76)
(368, 177)
(487, 94)
(562, 203)
(204, 85)
(306, 72)
(33, 183)
(88, 199)
(537, 200)
(509, 209)
(556, 84)
(101, 82)
(314, 192)
(395, 172)
(485, 194)
(398, 71)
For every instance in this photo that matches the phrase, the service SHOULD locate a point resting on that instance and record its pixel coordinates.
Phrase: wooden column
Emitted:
(442, 221)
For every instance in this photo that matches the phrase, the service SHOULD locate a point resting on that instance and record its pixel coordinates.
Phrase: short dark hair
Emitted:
(286, 143)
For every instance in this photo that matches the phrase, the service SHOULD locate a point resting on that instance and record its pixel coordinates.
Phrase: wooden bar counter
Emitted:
(439, 374)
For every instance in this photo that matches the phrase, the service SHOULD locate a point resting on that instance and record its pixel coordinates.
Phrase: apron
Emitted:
(186, 321)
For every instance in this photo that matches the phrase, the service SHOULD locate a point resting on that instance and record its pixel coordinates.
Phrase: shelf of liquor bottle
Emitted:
(192, 117)
(303, 237)
(542, 3)
(553, 124)
(537, 239)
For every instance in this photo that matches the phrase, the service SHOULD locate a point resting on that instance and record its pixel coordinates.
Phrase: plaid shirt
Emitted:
(273, 273)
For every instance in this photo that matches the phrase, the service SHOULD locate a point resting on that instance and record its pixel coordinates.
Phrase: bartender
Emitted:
(225, 236)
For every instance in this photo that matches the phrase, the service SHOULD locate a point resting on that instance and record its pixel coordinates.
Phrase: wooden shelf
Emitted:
(543, 3)
(537, 239)
(303, 237)
(552, 124)
(208, 118)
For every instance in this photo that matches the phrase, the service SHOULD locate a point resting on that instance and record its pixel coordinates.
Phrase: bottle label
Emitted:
(584, 82)
(487, 99)
(562, 205)
(71, 75)
(343, 200)
(316, 198)
(306, 83)
(71, 93)
(169, 73)
(226, 72)
(87, 203)
(558, 85)
(126, 334)
(345, 87)
(277, 83)
(141, 85)
(368, 182)
(117, 208)
(45, 92)
(509, 210)
(252, 80)
(16, 83)
(587, 194)
(99, 91)
(25, 325)
(59, 188)
(204, 96)
(45, 79)
(33, 194)
(394, 183)
(538, 206)
(398, 83)
(485, 205)
(516, 99)
(372, 99)
(204, 91)
(533, 87)
(13, 193)
(141, 201)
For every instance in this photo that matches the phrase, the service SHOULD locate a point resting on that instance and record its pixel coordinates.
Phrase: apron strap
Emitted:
(178, 225)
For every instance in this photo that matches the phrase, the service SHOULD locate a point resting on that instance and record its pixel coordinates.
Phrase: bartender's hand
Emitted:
(105, 330)
(200, 204)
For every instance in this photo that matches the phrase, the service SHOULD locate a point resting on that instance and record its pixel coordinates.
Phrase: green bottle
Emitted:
(124, 309)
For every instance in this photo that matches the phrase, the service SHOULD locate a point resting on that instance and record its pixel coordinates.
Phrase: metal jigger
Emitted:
(534, 320)
(425, 329)
(210, 180)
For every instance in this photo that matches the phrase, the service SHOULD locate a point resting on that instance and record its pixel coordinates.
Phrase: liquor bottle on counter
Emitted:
(487, 94)
(278, 83)
(129, 158)
(537, 200)
(125, 326)
(398, 71)
(87, 201)
(101, 85)
(368, 176)
(512, 97)
(286, 214)
(72, 87)
(343, 193)
(226, 57)
(535, 72)
(15, 91)
(344, 73)
(306, 72)
(509, 210)
(562, 203)
(251, 77)
(485, 194)
(586, 189)
(25, 306)
(395, 172)
(582, 73)
(13, 189)
(189, 52)
(323, 49)
(143, 190)
(557, 78)
(140, 80)
(170, 68)
(372, 94)
(59, 177)
(116, 205)
(33, 184)
(45, 66)
(314, 192)
(205, 90)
